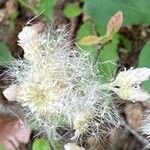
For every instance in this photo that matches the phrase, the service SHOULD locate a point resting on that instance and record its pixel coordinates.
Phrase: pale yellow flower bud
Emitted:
(127, 84)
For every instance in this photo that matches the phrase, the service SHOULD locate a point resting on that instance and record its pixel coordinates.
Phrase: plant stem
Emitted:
(135, 133)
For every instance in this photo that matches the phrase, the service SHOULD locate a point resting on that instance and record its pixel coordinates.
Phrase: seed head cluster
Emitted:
(58, 86)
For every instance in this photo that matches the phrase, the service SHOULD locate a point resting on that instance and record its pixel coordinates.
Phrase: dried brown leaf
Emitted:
(134, 114)
(13, 132)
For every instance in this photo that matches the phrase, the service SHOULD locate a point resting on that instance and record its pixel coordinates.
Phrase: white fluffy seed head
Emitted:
(58, 85)
(81, 121)
(91, 115)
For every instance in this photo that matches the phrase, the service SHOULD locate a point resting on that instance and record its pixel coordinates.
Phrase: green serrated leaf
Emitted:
(5, 55)
(47, 8)
(41, 144)
(135, 12)
(108, 58)
(144, 61)
(72, 10)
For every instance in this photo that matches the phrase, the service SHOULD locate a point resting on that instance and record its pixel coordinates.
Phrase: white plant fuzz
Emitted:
(83, 117)
(59, 86)
(30, 40)
(127, 84)
(72, 146)
(91, 116)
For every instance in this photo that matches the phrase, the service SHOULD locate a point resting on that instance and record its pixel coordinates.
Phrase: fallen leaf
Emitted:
(134, 114)
(13, 132)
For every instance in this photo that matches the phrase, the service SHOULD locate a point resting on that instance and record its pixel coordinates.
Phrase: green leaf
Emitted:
(2, 148)
(72, 10)
(5, 55)
(41, 144)
(108, 58)
(47, 8)
(144, 61)
(146, 85)
(86, 29)
(135, 12)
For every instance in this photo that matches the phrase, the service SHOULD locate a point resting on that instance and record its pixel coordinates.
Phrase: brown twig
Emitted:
(134, 132)
(74, 26)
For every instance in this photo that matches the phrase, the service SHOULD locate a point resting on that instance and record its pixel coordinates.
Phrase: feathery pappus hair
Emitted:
(59, 86)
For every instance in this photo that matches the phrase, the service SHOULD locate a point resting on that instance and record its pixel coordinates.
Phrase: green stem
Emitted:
(98, 50)
(24, 4)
